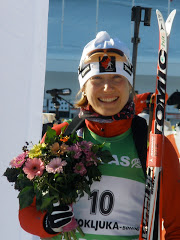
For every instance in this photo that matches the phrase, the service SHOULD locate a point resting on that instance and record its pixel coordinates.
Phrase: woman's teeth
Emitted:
(108, 99)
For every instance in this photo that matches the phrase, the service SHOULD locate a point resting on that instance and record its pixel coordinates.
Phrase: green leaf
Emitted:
(50, 135)
(95, 148)
(47, 202)
(38, 198)
(59, 179)
(106, 156)
(12, 174)
(26, 197)
(87, 189)
(22, 182)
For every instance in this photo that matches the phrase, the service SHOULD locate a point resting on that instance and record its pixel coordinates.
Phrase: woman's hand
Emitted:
(60, 216)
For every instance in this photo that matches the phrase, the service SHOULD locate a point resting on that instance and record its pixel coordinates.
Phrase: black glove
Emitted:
(60, 216)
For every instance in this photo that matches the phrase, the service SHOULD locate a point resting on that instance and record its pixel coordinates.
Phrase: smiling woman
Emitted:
(113, 208)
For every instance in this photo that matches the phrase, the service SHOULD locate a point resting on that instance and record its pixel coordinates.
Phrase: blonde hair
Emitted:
(82, 102)
(132, 94)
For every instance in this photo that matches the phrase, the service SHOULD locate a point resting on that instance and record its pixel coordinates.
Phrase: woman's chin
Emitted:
(108, 113)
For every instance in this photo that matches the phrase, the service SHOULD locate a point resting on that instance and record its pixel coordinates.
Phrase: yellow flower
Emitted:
(36, 150)
(43, 145)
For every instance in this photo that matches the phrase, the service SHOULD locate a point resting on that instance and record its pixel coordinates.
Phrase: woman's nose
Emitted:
(108, 86)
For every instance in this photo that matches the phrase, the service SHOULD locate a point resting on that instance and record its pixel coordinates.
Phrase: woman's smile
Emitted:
(108, 100)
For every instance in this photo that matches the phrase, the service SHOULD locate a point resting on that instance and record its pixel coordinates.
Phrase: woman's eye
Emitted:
(117, 77)
(96, 78)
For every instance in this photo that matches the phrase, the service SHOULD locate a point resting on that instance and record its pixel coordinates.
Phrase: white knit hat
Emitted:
(114, 58)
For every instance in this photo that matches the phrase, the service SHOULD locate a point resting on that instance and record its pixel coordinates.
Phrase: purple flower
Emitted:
(80, 169)
(91, 158)
(86, 146)
(56, 165)
(76, 149)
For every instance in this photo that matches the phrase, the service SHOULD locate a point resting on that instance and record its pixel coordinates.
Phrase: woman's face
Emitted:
(107, 93)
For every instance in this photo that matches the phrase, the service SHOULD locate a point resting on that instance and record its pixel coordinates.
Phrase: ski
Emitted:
(169, 22)
(152, 212)
(168, 25)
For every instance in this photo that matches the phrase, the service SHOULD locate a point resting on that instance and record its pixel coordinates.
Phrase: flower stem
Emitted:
(73, 235)
(80, 231)
(66, 236)
(69, 235)
(52, 187)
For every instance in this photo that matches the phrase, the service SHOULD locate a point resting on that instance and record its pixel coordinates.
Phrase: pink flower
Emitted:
(91, 158)
(33, 167)
(76, 149)
(80, 169)
(18, 161)
(56, 165)
(86, 145)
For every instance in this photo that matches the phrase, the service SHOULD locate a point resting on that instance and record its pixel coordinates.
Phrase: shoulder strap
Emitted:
(76, 124)
(139, 129)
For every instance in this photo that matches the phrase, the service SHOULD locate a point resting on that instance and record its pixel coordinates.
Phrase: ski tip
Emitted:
(172, 14)
(169, 21)
(158, 13)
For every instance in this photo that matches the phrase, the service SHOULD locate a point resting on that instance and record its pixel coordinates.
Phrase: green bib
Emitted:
(113, 211)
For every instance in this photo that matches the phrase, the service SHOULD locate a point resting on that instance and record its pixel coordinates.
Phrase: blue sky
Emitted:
(114, 16)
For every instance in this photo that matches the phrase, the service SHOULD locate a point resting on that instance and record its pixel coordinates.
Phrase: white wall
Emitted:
(23, 41)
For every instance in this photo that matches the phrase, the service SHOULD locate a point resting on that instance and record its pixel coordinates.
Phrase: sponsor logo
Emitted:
(128, 68)
(107, 64)
(136, 163)
(85, 70)
(125, 161)
(95, 225)
(161, 88)
(146, 205)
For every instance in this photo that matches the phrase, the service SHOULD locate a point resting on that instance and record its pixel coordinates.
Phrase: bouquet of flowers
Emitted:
(62, 168)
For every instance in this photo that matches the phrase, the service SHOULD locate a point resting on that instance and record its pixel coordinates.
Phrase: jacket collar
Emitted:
(112, 129)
